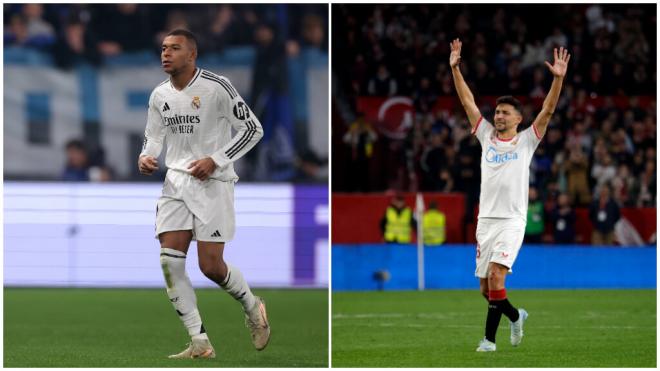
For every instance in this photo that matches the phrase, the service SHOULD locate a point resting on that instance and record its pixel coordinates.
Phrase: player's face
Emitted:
(176, 54)
(506, 117)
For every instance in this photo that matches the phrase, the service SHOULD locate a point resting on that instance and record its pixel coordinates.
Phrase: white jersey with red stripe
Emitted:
(196, 122)
(505, 171)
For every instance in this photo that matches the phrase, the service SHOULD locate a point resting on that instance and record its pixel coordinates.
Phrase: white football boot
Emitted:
(517, 328)
(486, 346)
(256, 320)
(197, 349)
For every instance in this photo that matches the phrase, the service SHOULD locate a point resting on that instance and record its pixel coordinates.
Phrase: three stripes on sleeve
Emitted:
(251, 126)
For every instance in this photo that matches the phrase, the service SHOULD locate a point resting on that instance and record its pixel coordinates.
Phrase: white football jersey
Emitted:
(196, 123)
(505, 171)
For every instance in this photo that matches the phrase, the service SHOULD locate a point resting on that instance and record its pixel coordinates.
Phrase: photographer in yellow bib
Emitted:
(398, 223)
(434, 225)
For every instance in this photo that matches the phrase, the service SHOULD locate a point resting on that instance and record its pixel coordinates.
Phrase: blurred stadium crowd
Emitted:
(603, 133)
(71, 35)
(85, 32)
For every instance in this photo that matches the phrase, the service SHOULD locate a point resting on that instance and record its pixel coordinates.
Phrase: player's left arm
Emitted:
(558, 70)
(243, 120)
(248, 132)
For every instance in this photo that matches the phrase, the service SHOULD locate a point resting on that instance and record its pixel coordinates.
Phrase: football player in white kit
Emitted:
(193, 112)
(505, 158)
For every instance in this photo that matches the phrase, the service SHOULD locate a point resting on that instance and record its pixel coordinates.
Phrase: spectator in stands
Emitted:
(75, 46)
(535, 218)
(408, 81)
(133, 34)
(603, 213)
(382, 84)
(313, 32)
(576, 172)
(645, 191)
(16, 32)
(638, 161)
(311, 167)
(621, 147)
(28, 29)
(398, 223)
(360, 137)
(39, 32)
(578, 136)
(176, 19)
(603, 172)
(223, 26)
(467, 175)
(446, 181)
(269, 75)
(425, 96)
(216, 37)
(77, 162)
(563, 220)
(434, 225)
(433, 161)
(100, 174)
(623, 185)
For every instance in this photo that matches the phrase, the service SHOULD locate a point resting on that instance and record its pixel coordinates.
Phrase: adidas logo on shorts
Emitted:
(216, 234)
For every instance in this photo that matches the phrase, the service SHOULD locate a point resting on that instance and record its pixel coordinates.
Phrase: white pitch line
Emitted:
(436, 315)
(449, 315)
(417, 325)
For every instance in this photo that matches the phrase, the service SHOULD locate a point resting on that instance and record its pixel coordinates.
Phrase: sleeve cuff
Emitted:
(477, 125)
(220, 159)
(536, 132)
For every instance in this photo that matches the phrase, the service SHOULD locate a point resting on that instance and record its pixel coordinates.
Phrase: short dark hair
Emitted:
(185, 33)
(76, 144)
(508, 99)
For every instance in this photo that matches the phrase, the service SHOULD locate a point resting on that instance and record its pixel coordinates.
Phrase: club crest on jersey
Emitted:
(196, 103)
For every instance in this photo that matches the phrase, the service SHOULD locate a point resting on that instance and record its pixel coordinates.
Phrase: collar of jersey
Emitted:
(198, 71)
(505, 140)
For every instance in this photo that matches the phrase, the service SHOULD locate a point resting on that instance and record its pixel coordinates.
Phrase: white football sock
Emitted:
(236, 286)
(180, 291)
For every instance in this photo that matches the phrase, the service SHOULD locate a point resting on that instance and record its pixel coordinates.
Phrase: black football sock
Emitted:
(508, 310)
(492, 320)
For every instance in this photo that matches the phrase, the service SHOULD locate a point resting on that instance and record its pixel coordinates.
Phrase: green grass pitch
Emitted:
(139, 328)
(566, 328)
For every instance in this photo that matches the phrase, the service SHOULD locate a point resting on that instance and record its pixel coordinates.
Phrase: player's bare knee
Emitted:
(223, 269)
(212, 270)
(206, 267)
(176, 240)
(495, 278)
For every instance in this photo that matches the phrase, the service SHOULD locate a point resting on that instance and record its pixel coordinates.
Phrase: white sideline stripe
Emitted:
(445, 315)
(436, 315)
(417, 325)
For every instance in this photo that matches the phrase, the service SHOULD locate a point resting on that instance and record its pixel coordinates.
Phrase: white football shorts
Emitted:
(498, 241)
(205, 207)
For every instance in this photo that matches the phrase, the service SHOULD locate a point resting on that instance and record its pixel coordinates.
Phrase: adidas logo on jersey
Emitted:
(166, 107)
(216, 234)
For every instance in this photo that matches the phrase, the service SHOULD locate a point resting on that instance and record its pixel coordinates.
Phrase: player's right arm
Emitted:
(153, 139)
(464, 93)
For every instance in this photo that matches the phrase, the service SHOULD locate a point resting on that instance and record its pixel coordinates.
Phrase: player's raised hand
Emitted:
(202, 169)
(147, 165)
(455, 56)
(560, 66)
